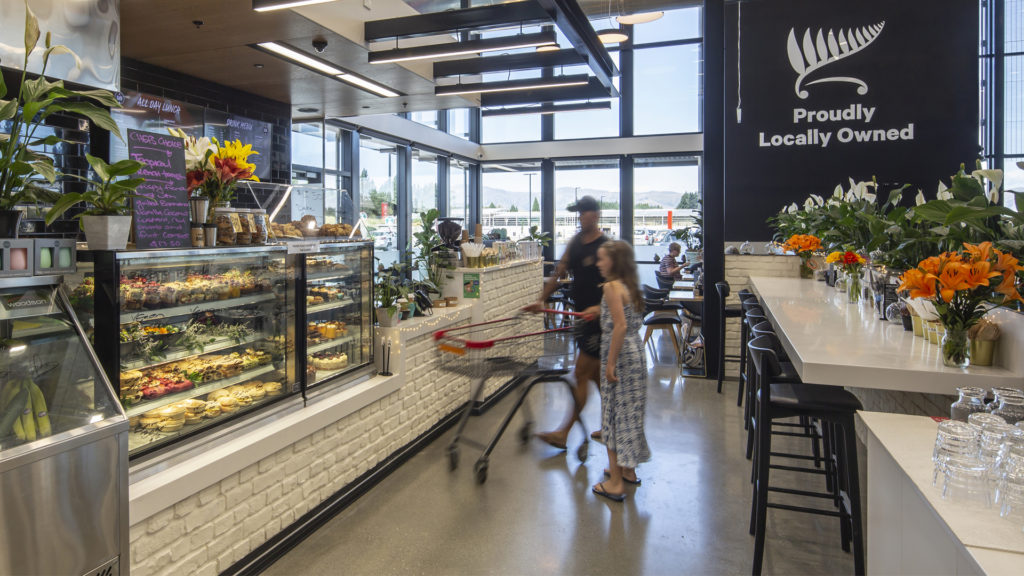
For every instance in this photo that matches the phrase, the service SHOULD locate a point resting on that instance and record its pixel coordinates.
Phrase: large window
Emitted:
(378, 185)
(458, 190)
(667, 89)
(510, 199)
(574, 179)
(458, 123)
(666, 192)
(428, 119)
(589, 123)
(307, 153)
(424, 188)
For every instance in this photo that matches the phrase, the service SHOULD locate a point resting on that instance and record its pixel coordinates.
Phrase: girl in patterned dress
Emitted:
(623, 370)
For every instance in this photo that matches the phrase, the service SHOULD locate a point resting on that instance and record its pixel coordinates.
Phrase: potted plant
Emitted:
(24, 173)
(693, 236)
(107, 221)
(433, 259)
(388, 287)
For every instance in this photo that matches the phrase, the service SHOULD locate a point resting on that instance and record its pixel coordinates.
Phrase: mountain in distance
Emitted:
(566, 195)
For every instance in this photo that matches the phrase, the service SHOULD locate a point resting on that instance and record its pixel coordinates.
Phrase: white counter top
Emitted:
(905, 511)
(833, 342)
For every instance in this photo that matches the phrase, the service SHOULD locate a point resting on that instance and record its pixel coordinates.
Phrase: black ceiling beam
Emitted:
(529, 61)
(453, 21)
(574, 24)
(593, 90)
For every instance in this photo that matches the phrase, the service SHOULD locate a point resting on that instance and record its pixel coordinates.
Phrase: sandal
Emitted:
(636, 482)
(600, 491)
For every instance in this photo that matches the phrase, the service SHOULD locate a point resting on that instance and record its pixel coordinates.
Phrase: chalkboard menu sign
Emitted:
(161, 211)
(231, 127)
(141, 111)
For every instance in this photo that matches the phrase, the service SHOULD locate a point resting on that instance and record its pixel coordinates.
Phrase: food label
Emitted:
(303, 247)
(470, 285)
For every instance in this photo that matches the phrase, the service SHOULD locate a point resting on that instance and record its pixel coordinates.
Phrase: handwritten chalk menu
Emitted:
(161, 211)
(229, 127)
(141, 111)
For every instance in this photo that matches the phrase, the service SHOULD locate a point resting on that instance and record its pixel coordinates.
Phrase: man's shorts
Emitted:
(588, 338)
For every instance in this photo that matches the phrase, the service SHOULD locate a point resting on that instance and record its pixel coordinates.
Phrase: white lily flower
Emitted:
(808, 205)
(919, 199)
(870, 197)
(838, 191)
(943, 193)
(833, 202)
(993, 176)
(793, 208)
(818, 200)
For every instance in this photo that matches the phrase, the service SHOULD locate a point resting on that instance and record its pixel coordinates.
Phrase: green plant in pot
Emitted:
(388, 287)
(432, 258)
(693, 236)
(107, 220)
(24, 172)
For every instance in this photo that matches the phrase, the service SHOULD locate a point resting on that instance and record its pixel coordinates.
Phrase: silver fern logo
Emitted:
(820, 50)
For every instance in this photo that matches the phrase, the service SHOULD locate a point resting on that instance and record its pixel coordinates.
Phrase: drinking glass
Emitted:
(1010, 493)
(971, 400)
(1011, 406)
(955, 442)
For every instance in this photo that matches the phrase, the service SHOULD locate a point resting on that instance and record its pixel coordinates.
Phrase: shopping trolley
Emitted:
(515, 347)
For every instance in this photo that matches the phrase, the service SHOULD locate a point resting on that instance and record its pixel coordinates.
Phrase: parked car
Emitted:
(643, 236)
(383, 238)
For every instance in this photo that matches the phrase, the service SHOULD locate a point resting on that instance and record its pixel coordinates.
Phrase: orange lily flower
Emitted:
(978, 273)
(952, 278)
(1006, 263)
(931, 265)
(979, 252)
(919, 284)
(1008, 287)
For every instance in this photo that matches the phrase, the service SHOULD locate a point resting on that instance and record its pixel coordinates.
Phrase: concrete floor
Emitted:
(536, 514)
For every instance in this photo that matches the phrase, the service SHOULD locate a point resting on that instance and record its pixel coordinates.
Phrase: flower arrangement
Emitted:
(851, 263)
(804, 245)
(957, 284)
(213, 169)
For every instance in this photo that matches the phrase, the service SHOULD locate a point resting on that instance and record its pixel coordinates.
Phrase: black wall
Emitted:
(921, 69)
(143, 77)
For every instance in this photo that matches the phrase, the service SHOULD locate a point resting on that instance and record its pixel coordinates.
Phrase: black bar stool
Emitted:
(654, 321)
(831, 404)
(747, 298)
(725, 311)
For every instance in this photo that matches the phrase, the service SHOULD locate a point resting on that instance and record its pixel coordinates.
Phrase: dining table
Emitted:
(834, 342)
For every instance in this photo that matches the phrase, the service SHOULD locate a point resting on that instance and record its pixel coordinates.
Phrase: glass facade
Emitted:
(598, 178)
(378, 198)
(458, 190)
(510, 199)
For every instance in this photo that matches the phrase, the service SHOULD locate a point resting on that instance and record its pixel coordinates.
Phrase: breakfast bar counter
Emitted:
(833, 342)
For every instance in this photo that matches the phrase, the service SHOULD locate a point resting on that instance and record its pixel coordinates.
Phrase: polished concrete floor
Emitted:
(536, 514)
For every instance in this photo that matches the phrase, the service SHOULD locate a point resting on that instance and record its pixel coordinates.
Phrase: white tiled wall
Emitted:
(217, 525)
(738, 270)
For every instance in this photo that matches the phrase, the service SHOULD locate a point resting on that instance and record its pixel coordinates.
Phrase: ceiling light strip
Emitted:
(547, 109)
(323, 67)
(462, 48)
(511, 85)
(268, 5)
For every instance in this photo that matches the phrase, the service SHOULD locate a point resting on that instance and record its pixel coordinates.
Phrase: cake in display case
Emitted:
(337, 310)
(193, 338)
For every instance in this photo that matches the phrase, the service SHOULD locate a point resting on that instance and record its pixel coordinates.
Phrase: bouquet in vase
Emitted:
(851, 264)
(213, 169)
(958, 283)
(805, 246)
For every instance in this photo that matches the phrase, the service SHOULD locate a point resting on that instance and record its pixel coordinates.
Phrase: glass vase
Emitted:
(971, 400)
(956, 347)
(805, 268)
(853, 287)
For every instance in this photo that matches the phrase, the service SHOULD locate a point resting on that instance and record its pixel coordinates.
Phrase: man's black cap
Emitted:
(585, 204)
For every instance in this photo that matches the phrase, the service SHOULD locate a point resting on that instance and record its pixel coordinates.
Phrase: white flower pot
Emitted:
(107, 232)
(386, 319)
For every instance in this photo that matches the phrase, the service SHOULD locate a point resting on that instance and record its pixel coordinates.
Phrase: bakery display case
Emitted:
(63, 439)
(193, 338)
(336, 310)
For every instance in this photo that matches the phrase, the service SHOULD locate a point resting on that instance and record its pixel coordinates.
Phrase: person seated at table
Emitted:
(669, 268)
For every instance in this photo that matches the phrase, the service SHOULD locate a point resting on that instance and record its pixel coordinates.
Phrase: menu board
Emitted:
(161, 210)
(141, 111)
(254, 132)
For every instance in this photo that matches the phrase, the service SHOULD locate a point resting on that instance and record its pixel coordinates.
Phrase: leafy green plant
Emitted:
(108, 195)
(432, 258)
(23, 171)
(537, 236)
(389, 286)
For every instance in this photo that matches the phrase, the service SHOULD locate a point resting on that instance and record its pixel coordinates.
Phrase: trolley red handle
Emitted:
(480, 344)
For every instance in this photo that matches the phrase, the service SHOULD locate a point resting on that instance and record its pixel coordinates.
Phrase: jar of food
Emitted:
(245, 227)
(259, 235)
(971, 400)
(227, 223)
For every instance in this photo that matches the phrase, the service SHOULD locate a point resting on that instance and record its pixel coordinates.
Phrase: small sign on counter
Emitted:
(470, 285)
(303, 247)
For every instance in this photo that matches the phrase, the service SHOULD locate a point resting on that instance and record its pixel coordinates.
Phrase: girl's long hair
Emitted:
(624, 270)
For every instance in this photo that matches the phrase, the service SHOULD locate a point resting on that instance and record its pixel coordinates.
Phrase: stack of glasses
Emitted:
(981, 461)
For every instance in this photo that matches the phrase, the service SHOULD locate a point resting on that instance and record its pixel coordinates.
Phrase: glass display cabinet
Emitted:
(336, 310)
(63, 439)
(194, 338)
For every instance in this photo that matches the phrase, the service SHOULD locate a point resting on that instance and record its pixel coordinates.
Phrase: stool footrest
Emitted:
(795, 469)
(804, 509)
(794, 456)
(796, 434)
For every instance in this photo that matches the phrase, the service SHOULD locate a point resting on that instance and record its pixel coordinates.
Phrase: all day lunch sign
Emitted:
(161, 210)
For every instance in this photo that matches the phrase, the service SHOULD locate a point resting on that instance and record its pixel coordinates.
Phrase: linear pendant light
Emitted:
(547, 108)
(268, 5)
(611, 36)
(315, 64)
(511, 85)
(463, 48)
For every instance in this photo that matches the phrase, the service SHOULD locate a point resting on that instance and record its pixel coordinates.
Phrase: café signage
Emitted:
(820, 91)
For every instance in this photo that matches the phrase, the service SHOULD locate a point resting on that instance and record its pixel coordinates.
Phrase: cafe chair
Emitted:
(776, 400)
(655, 321)
(556, 301)
(664, 282)
(725, 311)
(747, 300)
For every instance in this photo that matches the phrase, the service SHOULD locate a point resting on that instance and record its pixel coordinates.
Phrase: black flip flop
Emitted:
(600, 491)
(624, 479)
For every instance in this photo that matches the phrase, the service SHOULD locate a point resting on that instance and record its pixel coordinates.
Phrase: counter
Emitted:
(200, 512)
(833, 342)
(911, 529)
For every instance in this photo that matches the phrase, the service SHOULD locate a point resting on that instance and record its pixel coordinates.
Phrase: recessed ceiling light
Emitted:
(268, 5)
(308, 110)
(611, 36)
(367, 85)
(300, 58)
(639, 18)
(258, 66)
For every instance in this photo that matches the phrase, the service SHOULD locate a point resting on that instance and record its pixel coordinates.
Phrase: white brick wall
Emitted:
(738, 270)
(210, 530)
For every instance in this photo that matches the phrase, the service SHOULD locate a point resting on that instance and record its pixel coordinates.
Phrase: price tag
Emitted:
(303, 247)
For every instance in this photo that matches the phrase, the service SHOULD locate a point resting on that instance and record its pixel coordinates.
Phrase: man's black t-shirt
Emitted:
(586, 278)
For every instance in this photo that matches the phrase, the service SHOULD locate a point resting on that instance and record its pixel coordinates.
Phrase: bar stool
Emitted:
(747, 299)
(835, 405)
(654, 321)
(664, 282)
(753, 314)
(724, 311)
